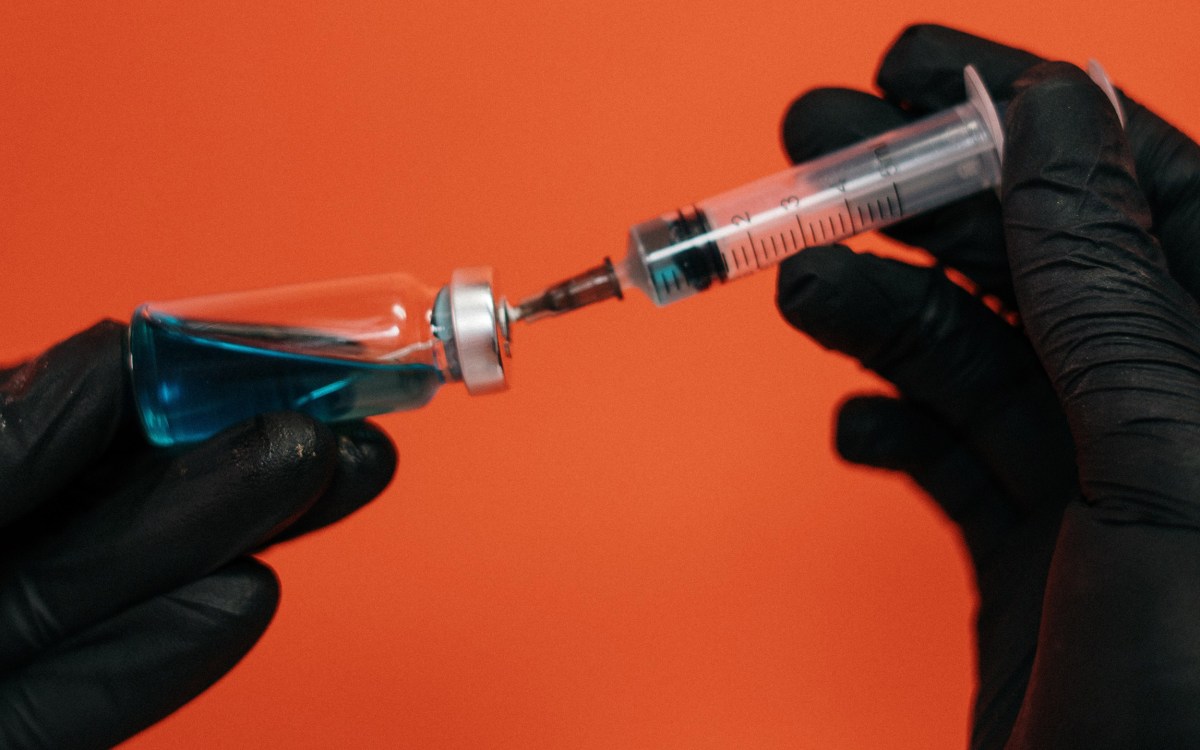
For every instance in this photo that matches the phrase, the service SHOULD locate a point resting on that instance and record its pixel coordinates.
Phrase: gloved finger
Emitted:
(966, 235)
(58, 413)
(1119, 337)
(1167, 164)
(923, 71)
(946, 352)
(366, 462)
(890, 433)
(133, 669)
(200, 510)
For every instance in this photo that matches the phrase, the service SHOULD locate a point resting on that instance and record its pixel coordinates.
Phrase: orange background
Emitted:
(648, 542)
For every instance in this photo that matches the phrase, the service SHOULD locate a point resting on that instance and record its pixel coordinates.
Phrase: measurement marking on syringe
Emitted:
(754, 249)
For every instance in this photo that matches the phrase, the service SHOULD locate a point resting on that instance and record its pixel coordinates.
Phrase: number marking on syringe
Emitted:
(757, 249)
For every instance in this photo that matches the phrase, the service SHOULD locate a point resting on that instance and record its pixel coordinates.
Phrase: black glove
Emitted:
(979, 425)
(126, 590)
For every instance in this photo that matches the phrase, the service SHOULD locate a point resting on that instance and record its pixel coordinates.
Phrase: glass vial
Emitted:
(335, 350)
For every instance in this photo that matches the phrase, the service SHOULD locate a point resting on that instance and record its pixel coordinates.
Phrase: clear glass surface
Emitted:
(336, 350)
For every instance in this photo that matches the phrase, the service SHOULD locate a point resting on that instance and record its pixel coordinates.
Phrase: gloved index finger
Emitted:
(923, 69)
(366, 462)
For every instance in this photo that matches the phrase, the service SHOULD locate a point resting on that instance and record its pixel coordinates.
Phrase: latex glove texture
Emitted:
(1098, 226)
(125, 586)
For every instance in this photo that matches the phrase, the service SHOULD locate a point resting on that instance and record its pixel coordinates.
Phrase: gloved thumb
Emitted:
(1119, 338)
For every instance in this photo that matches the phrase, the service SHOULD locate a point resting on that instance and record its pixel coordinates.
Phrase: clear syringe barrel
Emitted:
(929, 163)
(896, 175)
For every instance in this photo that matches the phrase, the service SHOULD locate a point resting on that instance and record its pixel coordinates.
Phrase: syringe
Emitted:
(924, 165)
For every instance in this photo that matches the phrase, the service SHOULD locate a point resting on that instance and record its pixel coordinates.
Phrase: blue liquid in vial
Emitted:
(189, 386)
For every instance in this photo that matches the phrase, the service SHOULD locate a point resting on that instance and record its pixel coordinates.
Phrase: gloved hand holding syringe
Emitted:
(870, 185)
(348, 349)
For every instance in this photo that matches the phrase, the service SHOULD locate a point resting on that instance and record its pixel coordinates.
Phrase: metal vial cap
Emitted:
(480, 339)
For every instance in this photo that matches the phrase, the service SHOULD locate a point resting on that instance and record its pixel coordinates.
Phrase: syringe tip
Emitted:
(592, 286)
